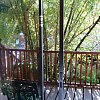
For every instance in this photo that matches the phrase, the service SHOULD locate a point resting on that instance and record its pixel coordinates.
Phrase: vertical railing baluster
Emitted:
(70, 68)
(86, 65)
(66, 68)
(11, 64)
(81, 69)
(8, 65)
(13, 60)
(27, 63)
(91, 69)
(97, 69)
(17, 64)
(46, 65)
(18, 60)
(55, 69)
(51, 67)
(75, 68)
(5, 61)
(24, 65)
(30, 68)
(21, 67)
(2, 63)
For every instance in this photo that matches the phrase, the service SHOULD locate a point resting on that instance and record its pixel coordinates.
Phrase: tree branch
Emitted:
(69, 18)
(96, 22)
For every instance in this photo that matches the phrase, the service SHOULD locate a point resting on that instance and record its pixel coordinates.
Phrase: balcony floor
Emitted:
(72, 94)
(2, 97)
(68, 94)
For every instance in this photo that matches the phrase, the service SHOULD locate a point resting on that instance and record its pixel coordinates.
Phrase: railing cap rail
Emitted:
(72, 52)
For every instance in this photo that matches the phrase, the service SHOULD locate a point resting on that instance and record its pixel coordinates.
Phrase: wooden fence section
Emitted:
(80, 68)
(18, 64)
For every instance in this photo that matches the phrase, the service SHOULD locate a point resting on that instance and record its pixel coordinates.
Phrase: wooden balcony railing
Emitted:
(80, 68)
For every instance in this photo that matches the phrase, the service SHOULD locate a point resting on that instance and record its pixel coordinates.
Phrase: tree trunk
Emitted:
(25, 28)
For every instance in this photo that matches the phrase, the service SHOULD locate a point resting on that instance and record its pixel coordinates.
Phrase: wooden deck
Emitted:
(73, 94)
(2, 97)
(69, 94)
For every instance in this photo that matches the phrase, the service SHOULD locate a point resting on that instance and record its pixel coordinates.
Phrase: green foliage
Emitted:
(7, 89)
(78, 16)
(12, 90)
(88, 79)
(3, 7)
